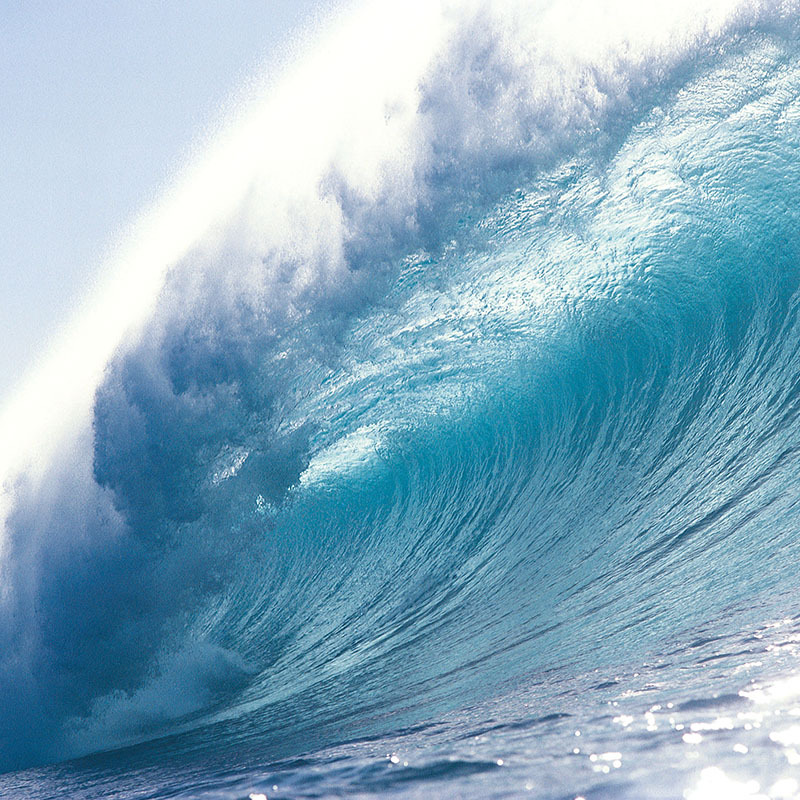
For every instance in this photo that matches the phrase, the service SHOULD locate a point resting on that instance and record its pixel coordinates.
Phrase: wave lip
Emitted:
(461, 369)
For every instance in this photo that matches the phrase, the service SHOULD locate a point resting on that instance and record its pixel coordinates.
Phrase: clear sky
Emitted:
(100, 104)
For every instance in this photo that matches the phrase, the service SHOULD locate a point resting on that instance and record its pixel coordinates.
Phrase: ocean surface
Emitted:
(437, 434)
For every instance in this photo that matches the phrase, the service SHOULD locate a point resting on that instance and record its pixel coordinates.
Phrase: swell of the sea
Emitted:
(453, 449)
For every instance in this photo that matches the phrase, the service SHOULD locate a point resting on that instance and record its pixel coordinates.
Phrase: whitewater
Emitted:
(437, 434)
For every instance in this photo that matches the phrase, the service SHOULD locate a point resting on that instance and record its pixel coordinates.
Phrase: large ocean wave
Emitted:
(467, 366)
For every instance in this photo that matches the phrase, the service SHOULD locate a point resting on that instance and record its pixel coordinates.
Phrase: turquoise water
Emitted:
(459, 456)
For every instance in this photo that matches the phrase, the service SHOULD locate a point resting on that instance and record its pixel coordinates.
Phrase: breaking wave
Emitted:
(469, 355)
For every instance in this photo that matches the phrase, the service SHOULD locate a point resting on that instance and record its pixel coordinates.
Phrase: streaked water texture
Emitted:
(438, 435)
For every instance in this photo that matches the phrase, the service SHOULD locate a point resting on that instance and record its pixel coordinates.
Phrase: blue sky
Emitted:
(101, 105)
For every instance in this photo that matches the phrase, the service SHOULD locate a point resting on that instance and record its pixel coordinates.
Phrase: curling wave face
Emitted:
(481, 370)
